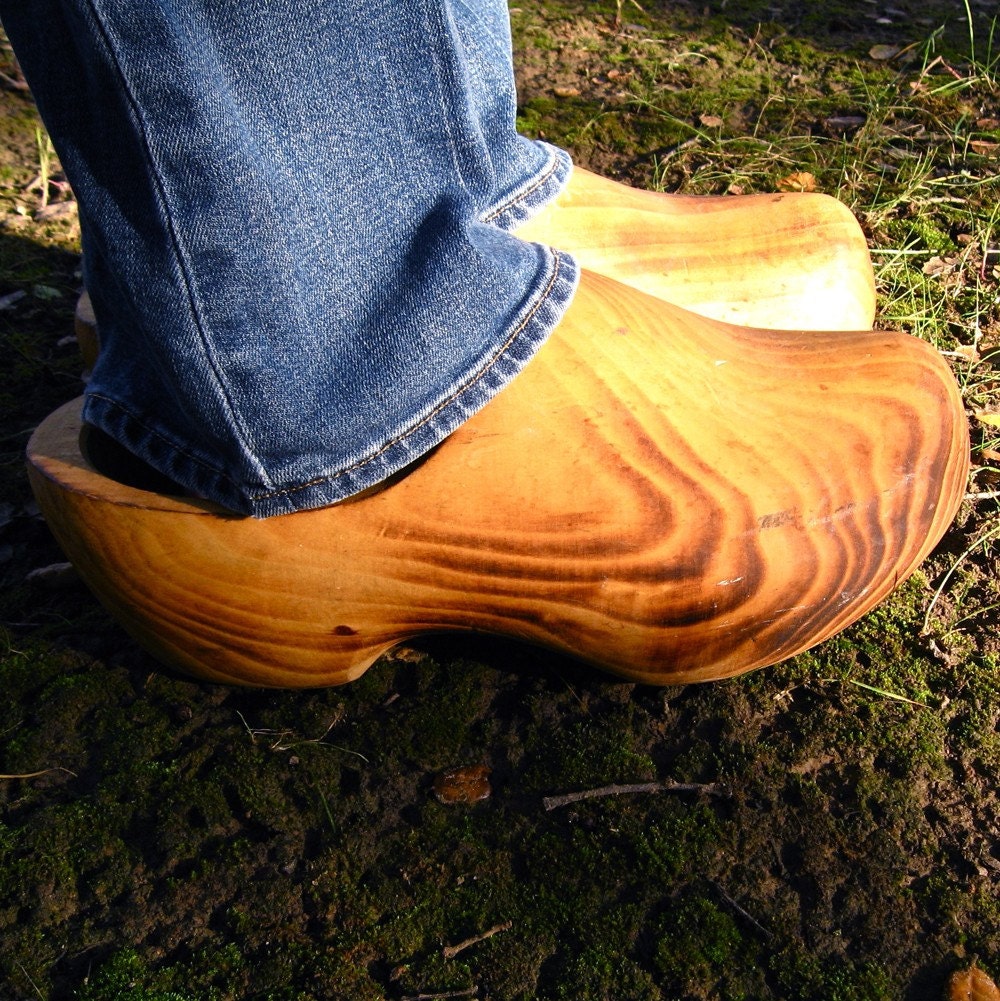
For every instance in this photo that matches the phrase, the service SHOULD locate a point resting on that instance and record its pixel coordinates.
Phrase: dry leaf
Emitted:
(986, 477)
(972, 985)
(465, 784)
(8, 301)
(989, 417)
(940, 266)
(566, 92)
(57, 210)
(967, 351)
(54, 577)
(800, 181)
(406, 655)
(988, 124)
(711, 121)
(984, 148)
(989, 454)
(883, 52)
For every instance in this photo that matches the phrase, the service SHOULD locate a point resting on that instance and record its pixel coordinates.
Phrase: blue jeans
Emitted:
(295, 227)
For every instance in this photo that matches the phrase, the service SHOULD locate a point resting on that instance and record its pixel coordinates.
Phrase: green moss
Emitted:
(803, 977)
(586, 752)
(695, 942)
(125, 977)
(680, 840)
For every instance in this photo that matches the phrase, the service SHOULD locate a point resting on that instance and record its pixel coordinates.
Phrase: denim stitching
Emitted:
(361, 463)
(195, 460)
(526, 193)
(441, 406)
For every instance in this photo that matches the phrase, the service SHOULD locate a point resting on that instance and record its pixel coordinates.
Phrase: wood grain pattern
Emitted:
(770, 260)
(663, 495)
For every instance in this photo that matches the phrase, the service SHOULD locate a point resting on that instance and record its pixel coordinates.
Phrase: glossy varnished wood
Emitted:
(769, 260)
(666, 496)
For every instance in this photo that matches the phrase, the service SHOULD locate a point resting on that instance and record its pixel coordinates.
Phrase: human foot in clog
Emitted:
(664, 495)
(785, 261)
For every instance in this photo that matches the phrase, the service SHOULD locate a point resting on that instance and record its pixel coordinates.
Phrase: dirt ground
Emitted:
(840, 838)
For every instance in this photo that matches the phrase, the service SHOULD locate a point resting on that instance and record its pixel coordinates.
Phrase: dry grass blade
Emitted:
(35, 775)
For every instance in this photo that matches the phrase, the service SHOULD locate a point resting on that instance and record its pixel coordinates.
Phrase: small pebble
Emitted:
(55, 577)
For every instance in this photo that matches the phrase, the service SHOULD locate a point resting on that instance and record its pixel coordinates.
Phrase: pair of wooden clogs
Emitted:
(660, 492)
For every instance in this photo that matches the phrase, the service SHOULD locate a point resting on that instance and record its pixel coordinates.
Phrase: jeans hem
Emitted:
(529, 199)
(538, 318)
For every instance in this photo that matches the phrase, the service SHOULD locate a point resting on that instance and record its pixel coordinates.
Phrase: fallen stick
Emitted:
(711, 788)
(448, 994)
(34, 775)
(451, 951)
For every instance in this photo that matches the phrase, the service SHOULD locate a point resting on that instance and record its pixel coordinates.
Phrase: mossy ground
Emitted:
(197, 842)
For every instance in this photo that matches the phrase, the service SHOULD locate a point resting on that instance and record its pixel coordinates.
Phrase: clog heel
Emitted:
(666, 496)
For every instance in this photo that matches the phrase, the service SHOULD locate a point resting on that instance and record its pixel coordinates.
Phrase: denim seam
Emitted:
(524, 194)
(483, 372)
(200, 463)
(446, 110)
(175, 241)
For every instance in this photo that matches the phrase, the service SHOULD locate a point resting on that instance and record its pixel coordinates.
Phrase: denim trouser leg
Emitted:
(483, 29)
(294, 223)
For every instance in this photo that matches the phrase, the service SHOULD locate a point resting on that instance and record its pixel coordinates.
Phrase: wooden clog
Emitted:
(666, 496)
(85, 328)
(772, 260)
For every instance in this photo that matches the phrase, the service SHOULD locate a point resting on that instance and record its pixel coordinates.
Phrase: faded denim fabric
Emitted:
(294, 221)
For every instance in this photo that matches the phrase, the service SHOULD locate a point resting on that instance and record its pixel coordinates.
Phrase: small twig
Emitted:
(742, 912)
(678, 148)
(985, 495)
(12, 84)
(30, 981)
(448, 994)
(451, 951)
(34, 775)
(939, 61)
(711, 788)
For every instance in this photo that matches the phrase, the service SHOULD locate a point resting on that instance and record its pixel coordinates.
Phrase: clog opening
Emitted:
(117, 463)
